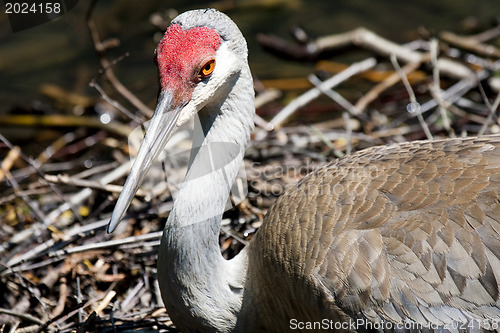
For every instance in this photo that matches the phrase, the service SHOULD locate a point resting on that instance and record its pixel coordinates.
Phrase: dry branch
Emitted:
(106, 65)
(360, 37)
(471, 44)
(64, 121)
(313, 93)
(69, 267)
(66, 179)
(108, 244)
(390, 81)
(21, 315)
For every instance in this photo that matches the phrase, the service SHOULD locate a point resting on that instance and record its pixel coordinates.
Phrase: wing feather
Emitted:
(402, 232)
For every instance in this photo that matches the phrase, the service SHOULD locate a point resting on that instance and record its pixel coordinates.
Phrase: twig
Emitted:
(27, 329)
(82, 144)
(396, 131)
(326, 141)
(157, 292)
(35, 165)
(108, 71)
(24, 316)
(15, 325)
(114, 103)
(414, 104)
(360, 37)
(333, 135)
(348, 130)
(66, 179)
(53, 148)
(96, 170)
(229, 232)
(133, 294)
(345, 115)
(436, 88)
(261, 99)
(8, 198)
(41, 248)
(105, 302)
(455, 92)
(8, 161)
(83, 194)
(487, 35)
(40, 216)
(493, 108)
(471, 44)
(79, 300)
(111, 243)
(267, 96)
(63, 295)
(335, 96)
(260, 122)
(29, 267)
(65, 121)
(394, 78)
(367, 39)
(314, 93)
(462, 114)
(79, 307)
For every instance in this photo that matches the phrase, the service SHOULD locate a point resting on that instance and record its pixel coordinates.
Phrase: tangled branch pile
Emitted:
(60, 270)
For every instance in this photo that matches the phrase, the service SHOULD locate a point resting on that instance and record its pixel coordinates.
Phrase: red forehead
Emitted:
(180, 52)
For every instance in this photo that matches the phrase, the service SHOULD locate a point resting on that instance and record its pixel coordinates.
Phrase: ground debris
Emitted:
(61, 272)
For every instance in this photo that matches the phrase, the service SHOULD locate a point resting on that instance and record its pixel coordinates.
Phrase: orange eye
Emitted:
(207, 69)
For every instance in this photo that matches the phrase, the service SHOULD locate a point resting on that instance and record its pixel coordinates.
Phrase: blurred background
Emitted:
(62, 127)
(61, 52)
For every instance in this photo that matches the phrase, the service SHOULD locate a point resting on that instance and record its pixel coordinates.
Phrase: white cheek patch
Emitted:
(227, 65)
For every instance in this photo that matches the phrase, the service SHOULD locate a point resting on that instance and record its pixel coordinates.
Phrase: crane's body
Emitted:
(404, 234)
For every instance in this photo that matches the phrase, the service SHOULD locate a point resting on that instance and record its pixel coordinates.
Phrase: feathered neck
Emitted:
(201, 290)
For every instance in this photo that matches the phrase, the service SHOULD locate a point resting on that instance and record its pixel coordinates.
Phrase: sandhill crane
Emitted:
(387, 238)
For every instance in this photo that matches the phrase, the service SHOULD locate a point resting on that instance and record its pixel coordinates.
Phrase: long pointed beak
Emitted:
(161, 127)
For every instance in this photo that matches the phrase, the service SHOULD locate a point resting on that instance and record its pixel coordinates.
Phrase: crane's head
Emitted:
(199, 59)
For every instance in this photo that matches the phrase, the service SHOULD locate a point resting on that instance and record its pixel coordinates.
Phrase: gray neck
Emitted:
(201, 290)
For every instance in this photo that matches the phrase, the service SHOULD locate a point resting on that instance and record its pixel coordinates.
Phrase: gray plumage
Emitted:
(398, 234)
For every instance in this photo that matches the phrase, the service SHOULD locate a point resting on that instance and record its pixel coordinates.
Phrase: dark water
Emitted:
(61, 53)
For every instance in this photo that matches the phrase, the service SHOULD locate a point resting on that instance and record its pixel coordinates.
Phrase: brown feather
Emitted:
(400, 232)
